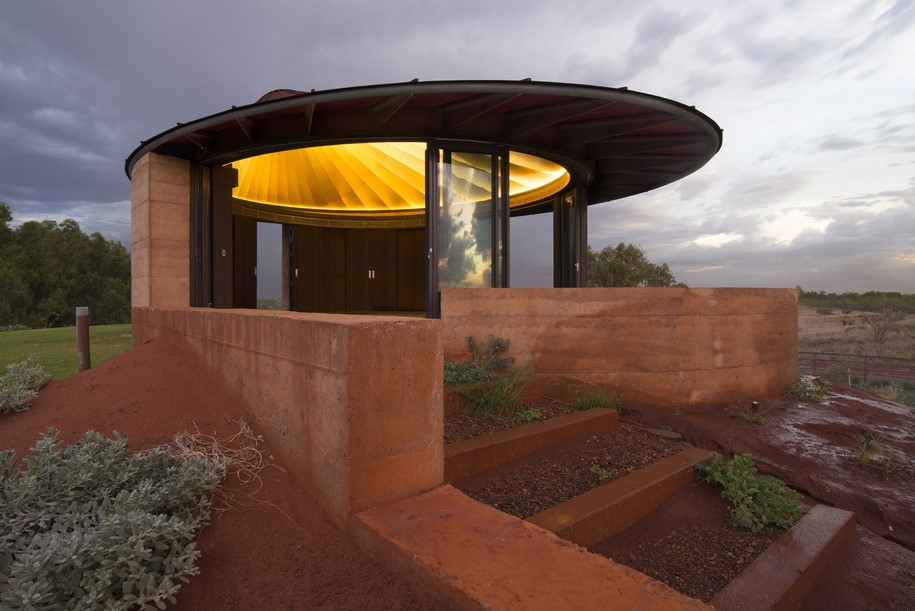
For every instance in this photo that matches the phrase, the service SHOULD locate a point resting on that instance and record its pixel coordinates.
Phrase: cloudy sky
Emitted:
(815, 184)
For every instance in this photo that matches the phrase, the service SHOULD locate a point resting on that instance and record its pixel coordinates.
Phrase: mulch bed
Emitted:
(689, 543)
(464, 426)
(560, 472)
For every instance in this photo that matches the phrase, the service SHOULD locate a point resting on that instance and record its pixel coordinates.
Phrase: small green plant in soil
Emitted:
(756, 501)
(486, 362)
(489, 381)
(601, 473)
(95, 526)
(809, 389)
(530, 415)
(746, 413)
(868, 446)
(592, 399)
(498, 398)
(21, 383)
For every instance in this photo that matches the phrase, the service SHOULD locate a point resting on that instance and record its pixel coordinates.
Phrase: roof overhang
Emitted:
(615, 142)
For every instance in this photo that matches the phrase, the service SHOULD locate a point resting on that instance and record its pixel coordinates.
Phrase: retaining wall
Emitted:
(661, 345)
(353, 403)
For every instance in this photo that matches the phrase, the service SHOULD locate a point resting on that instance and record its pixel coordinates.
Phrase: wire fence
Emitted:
(883, 368)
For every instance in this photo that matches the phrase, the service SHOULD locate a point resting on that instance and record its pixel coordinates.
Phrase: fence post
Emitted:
(83, 360)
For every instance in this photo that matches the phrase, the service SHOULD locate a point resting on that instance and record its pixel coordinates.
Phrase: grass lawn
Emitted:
(57, 347)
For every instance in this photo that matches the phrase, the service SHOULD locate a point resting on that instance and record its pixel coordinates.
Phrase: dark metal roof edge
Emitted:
(418, 87)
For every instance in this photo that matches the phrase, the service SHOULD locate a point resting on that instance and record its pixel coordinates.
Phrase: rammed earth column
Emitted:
(160, 190)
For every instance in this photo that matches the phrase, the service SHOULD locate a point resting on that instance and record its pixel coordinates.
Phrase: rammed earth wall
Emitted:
(667, 346)
(353, 403)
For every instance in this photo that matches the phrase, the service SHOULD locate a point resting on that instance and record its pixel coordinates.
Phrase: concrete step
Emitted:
(468, 457)
(607, 510)
(781, 576)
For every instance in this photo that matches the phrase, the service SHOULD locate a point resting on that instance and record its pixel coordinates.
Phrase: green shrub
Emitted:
(5, 328)
(486, 362)
(95, 526)
(488, 381)
(756, 500)
(20, 384)
(498, 397)
(746, 413)
(592, 399)
(810, 389)
(868, 446)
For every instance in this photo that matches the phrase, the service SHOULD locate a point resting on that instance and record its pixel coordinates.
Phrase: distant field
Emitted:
(57, 347)
(847, 332)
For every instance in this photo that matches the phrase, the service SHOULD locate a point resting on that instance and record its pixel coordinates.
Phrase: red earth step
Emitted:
(783, 574)
(608, 510)
(481, 558)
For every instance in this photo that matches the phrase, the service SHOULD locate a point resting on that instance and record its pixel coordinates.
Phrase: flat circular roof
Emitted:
(614, 142)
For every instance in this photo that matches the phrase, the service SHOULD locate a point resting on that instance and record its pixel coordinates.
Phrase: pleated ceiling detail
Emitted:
(377, 178)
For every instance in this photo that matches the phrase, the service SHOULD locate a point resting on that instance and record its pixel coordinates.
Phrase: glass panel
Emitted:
(465, 220)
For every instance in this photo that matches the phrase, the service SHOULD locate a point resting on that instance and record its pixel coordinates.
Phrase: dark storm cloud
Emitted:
(655, 33)
(837, 142)
(751, 190)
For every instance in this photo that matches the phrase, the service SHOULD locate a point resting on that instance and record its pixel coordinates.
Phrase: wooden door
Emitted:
(410, 270)
(244, 264)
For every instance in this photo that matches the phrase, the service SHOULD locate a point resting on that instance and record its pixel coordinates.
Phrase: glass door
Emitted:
(466, 220)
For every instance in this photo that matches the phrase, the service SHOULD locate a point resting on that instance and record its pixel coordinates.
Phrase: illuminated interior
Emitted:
(380, 178)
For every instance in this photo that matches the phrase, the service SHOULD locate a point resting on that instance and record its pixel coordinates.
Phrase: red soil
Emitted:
(276, 549)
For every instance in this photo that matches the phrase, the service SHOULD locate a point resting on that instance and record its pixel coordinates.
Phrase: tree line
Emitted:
(871, 301)
(47, 269)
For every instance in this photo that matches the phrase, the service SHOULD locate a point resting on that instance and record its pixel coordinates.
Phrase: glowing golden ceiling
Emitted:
(380, 178)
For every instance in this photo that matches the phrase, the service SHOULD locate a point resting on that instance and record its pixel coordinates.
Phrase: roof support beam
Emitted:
(591, 130)
(624, 146)
(200, 140)
(531, 119)
(642, 162)
(387, 108)
(309, 118)
(247, 127)
(463, 111)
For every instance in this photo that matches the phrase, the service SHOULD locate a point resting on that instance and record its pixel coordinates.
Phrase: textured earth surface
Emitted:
(274, 548)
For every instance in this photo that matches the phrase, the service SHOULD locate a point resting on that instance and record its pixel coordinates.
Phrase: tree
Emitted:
(882, 323)
(48, 269)
(627, 265)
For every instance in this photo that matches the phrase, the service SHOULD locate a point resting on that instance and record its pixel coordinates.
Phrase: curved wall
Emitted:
(668, 346)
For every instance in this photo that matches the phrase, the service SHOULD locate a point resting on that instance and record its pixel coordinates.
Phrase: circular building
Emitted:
(389, 193)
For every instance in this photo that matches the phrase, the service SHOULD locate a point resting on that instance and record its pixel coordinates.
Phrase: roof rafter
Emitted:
(531, 119)
(591, 130)
(463, 111)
